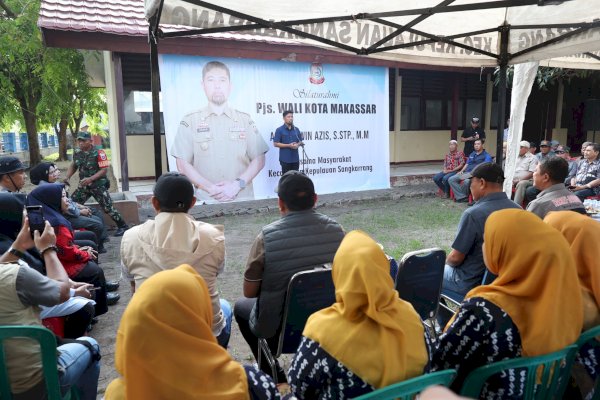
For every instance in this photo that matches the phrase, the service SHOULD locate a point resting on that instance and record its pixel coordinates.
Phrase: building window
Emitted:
(427, 99)
(138, 113)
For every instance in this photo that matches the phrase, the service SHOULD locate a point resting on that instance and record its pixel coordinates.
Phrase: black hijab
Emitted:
(50, 198)
(40, 173)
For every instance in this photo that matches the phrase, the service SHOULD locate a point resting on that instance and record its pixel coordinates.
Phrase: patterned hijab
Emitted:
(165, 346)
(369, 328)
(537, 281)
(583, 234)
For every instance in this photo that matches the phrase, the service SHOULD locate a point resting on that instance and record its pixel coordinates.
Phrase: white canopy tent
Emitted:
(466, 33)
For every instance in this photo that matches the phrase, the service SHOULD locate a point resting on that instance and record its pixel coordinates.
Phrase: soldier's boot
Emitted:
(121, 229)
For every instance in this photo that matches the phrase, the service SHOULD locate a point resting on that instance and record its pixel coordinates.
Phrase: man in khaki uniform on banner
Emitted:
(218, 148)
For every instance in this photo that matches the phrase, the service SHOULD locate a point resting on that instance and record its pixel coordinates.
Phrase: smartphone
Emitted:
(36, 219)
(94, 289)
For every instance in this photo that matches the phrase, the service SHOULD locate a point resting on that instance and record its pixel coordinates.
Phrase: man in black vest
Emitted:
(301, 240)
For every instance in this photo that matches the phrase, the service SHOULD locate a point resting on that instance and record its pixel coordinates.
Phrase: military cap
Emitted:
(84, 136)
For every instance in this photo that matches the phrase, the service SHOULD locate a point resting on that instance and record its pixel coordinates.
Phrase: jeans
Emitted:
(441, 180)
(582, 194)
(78, 368)
(461, 190)
(223, 338)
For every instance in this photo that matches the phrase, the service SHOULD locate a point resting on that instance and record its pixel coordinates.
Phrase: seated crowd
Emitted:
(172, 341)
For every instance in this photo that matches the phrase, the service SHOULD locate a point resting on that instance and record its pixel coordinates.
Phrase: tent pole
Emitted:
(504, 31)
(155, 104)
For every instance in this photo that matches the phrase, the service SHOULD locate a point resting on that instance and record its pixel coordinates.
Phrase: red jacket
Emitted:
(72, 258)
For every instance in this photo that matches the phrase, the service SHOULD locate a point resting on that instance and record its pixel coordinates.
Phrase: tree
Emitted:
(21, 66)
(41, 86)
(67, 95)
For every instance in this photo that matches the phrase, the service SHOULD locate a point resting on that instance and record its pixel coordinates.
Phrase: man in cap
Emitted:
(460, 182)
(173, 238)
(301, 240)
(217, 147)
(471, 134)
(464, 265)
(12, 174)
(563, 152)
(93, 166)
(453, 162)
(524, 168)
(545, 150)
(549, 178)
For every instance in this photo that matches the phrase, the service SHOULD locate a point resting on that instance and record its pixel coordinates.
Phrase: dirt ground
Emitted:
(394, 220)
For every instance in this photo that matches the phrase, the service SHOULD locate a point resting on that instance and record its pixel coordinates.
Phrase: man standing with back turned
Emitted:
(288, 138)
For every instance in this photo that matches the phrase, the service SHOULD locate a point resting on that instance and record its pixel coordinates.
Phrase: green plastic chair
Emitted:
(410, 388)
(47, 342)
(542, 385)
(589, 336)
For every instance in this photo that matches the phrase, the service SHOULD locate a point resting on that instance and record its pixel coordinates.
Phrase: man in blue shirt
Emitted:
(478, 156)
(464, 265)
(288, 138)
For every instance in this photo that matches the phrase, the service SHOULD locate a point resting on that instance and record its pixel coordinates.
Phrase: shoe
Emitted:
(112, 298)
(112, 286)
(471, 203)
(121, 230)
(463, 200)
(95, 320)
(102, 249)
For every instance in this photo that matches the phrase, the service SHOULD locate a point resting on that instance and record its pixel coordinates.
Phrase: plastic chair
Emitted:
(47, 343)
(546, 376)
(410, 388)
(419, 280)
(586, 337)
(307, 293)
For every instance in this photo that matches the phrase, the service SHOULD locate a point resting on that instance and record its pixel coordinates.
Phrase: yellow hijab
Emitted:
(583, 234)
(165, 347)
(369, 328)
(537, 281)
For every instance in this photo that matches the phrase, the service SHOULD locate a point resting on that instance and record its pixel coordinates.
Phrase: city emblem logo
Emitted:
(316, 74)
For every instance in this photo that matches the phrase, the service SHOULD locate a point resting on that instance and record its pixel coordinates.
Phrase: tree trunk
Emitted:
(62, 139)
(32, 136)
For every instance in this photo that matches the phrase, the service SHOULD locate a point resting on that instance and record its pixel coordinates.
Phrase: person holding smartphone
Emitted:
(79, 262)
(22, 291)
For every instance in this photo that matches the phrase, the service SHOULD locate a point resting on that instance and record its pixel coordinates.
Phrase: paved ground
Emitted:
(105, 330)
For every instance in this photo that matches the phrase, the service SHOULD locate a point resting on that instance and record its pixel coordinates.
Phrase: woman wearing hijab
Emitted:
(77, 311)
(78, 262)
(583, 235)
(169, 321)
(532, 308)
(368, 339)
(80, 217)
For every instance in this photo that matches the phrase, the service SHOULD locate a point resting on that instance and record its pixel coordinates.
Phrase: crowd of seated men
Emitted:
(173, 337)
(582, 179)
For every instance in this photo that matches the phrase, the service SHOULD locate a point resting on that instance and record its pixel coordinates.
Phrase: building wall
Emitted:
(140, 157)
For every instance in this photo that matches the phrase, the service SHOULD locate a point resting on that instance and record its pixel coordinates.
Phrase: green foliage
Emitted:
(41, 87)
(548, 76)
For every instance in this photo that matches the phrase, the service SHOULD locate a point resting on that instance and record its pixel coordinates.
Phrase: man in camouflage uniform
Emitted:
(218, 148)
(93, 166)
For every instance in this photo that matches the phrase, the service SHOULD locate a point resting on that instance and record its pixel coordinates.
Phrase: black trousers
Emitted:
(285, 167)
(92, 273)
(241, 312)
(76, 324)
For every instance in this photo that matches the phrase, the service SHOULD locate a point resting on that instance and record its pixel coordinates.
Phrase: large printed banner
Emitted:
(221, 114)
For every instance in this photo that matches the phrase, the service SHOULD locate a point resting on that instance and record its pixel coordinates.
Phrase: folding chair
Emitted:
(410, 388)
(546, 376)
(419, 281)
(589, 337)
(47, 342)
(307, 293)
(450, 302)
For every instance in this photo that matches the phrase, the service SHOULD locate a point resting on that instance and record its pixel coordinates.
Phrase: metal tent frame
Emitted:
(503, 57)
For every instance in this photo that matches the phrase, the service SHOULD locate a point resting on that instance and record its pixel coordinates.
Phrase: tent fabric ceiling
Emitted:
(432, 32)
